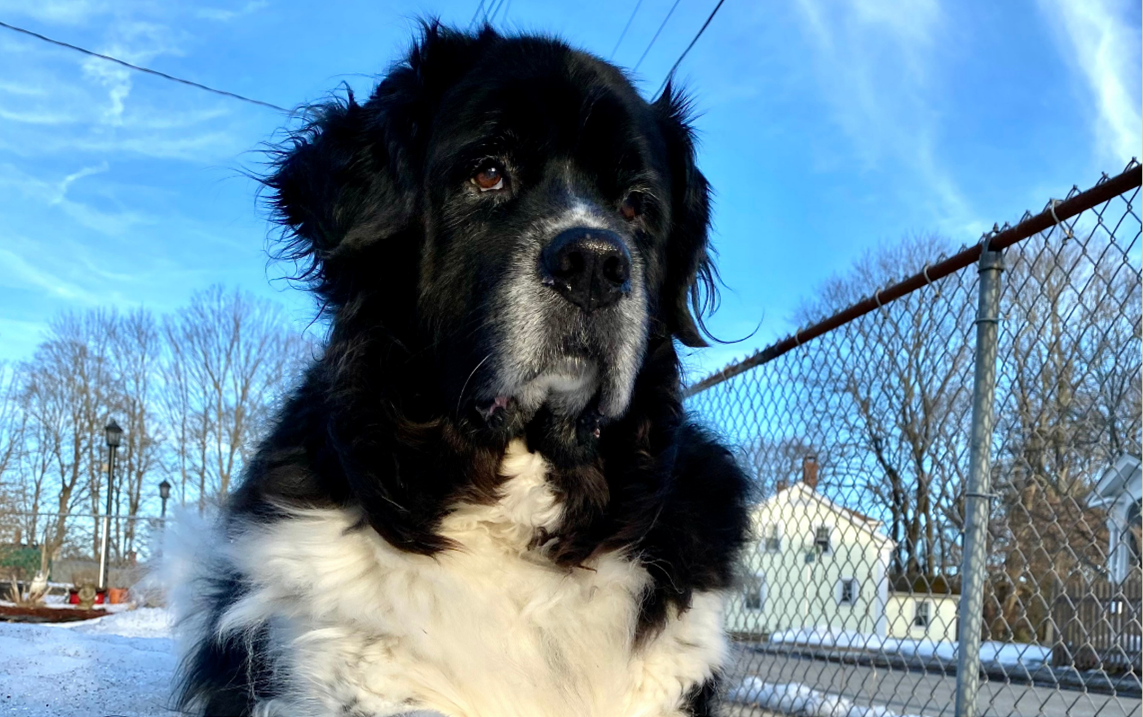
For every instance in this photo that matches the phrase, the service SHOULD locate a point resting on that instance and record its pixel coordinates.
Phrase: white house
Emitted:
(812, 563)
(1119, 491)
(923, 614)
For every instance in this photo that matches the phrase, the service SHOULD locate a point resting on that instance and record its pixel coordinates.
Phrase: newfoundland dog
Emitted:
(485, 498)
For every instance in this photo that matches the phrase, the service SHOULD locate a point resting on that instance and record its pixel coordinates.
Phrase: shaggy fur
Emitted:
(485, 498)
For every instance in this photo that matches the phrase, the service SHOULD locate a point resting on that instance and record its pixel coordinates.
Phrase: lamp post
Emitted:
(113, 433)
(164, 493)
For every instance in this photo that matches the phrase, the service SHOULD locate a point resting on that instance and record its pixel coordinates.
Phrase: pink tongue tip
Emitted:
(500, 402)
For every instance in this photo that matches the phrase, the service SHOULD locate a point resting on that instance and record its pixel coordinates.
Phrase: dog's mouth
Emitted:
(568, 386)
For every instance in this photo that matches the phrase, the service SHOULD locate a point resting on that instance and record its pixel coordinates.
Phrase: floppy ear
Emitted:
(689, 281)
(328, 177)
(350, 177)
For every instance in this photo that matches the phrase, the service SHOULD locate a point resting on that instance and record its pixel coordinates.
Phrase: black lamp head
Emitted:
(113, 433)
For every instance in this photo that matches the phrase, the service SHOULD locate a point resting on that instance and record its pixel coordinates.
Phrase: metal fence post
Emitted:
(978, 490)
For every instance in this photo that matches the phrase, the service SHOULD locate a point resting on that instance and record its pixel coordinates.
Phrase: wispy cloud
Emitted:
(98, 112)
(75, 176)
(136, 42)
(56, 12)
(203, 147)
(875, 63)
(22, 273)
(41, 193)
(1104, 48)
(226, 14)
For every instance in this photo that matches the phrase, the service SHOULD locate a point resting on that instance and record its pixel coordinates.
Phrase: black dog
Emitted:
(485, 499)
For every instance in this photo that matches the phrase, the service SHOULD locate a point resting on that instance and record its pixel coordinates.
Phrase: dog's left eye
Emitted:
(632, 206)
(489, 178)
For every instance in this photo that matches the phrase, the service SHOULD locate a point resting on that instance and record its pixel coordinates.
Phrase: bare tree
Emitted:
(13, 423)
(894, 400)
(229, 357)
(136, 349)
(68, 395)
(1069, 404)
(193, 394)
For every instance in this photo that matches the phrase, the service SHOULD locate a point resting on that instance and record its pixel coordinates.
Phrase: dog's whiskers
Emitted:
(460, 398)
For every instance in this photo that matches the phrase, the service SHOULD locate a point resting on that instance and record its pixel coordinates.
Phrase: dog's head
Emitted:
(513, 213)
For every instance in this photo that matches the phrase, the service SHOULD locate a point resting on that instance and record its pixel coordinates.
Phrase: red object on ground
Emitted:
(73, 597)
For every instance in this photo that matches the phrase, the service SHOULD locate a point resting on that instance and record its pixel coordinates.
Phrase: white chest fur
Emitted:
(489, 630)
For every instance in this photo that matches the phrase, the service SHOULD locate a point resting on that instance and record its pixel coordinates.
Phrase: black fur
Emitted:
(703, 700)
(390, 419)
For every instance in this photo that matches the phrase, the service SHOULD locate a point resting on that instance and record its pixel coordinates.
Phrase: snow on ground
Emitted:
(144, 622)
(1003, 654)
(115, 665)
(796, 699)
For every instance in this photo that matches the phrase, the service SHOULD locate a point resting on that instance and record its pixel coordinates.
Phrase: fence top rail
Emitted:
(1053, 214)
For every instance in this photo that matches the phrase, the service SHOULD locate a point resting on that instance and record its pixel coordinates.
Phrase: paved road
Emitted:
(917, 693)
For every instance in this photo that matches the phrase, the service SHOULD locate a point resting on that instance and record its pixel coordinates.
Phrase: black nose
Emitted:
(589, 267)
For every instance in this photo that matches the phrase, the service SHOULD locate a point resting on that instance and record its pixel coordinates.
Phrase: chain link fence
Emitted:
(854, 594)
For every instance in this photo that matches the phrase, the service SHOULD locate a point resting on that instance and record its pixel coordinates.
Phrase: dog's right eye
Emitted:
(489, 178)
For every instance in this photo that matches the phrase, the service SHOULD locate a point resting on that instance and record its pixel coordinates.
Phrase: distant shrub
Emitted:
(19, 560)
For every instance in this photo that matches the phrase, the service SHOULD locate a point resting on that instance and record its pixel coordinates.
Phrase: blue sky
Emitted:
(827, 128)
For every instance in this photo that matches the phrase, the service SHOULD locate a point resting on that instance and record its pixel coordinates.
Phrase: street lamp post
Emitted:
(113, 433)
(164, 493)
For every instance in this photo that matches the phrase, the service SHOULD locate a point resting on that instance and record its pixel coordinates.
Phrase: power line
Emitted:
(490, 13)
(504, 15)
(476, 14)
(697, 36)
(146, 70)
(625, 29)
(656, 37)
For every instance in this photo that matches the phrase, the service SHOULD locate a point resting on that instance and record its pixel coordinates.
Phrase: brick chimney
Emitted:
(810, 472)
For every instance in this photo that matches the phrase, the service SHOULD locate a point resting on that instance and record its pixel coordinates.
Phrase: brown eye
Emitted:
(489, 178)
(632, 206)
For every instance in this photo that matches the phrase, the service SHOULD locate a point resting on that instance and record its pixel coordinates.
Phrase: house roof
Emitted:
(860, 520)
(1123, 478)
(921, 586)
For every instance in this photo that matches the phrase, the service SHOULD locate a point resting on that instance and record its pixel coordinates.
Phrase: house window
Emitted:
(848, 592)
(822, 540)
(774, 538)
(924, 614)
(754, 595)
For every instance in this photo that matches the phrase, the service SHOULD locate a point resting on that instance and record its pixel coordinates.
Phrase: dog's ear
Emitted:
(350, 176)
(689, 282)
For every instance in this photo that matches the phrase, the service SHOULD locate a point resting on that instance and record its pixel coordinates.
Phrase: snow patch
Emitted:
(797, 699)
(144, 622)
(1002, 654)
(121, 665)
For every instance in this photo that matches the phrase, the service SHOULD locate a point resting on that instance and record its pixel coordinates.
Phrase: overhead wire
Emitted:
(625, 29)
(507, 6)
(476, 14)
(491, 10)
(656, 36)
(683, 56)
(146, 70)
